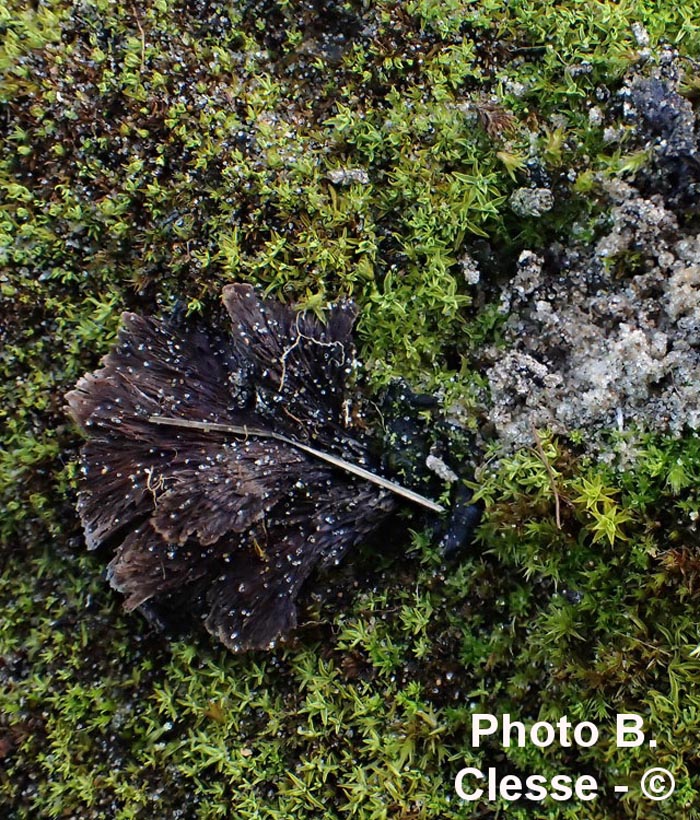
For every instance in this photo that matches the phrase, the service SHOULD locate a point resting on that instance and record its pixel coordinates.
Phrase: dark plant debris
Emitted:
(228, 525)
(226, 467)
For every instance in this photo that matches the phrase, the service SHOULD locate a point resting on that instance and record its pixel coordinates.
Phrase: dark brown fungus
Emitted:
(219, 465)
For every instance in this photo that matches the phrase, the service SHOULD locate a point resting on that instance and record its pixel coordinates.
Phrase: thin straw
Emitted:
(361, 472)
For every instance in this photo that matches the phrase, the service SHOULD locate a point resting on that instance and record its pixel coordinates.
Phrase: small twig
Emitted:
(354, 469)
(153, 485)
(143, 36)
(550, 473)
(297, 341)
(294, 418)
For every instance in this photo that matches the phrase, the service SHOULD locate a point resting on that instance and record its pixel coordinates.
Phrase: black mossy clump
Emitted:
(666, 125)
(229, 526)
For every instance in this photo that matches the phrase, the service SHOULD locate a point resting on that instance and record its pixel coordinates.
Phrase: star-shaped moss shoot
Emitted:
(225, 467)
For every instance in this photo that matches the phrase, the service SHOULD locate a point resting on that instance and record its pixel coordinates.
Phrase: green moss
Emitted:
(152, 155)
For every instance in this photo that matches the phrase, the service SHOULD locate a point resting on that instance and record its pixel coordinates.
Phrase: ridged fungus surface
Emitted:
(201, 466)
